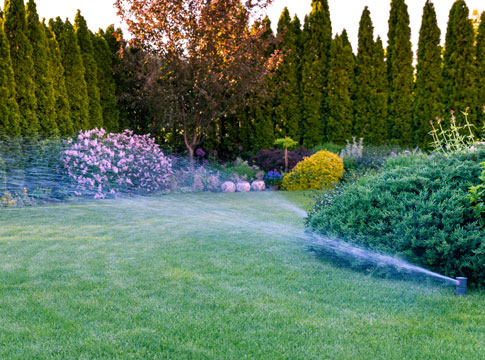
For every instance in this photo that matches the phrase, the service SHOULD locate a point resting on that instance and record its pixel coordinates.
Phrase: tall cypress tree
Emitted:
(317, 39)
(340, 84)
(459, 70)
(380, 95)
(9, 110)
(72, 62)
(481, 70)
(370, 100)
(287, 100)
(106, 82)
(43, 78)
(400, 74)
(427, 100)
(364, 117)
(91, 70)
(15, 27)
(61, 99)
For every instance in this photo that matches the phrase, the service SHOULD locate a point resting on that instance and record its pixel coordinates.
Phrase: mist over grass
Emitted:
(208, 276)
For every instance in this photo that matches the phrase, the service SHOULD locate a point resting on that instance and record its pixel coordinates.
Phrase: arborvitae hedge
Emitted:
(317, 39)
(90, 71)
(9, 111)
(459, 71)
(481, 69)
(340, 85)
(43, 78)
(287, 98)
(61, 99)
(427, 93)
(15, 27)
(106, 82)
(380, 95)
(400, 74)
(74, 73)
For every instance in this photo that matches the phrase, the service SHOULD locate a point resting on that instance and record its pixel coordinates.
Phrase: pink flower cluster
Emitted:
(106, 164)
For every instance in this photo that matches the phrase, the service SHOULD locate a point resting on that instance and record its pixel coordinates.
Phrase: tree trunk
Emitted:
(286, 159)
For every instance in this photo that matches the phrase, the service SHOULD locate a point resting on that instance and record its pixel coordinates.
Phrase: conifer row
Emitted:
(55, 79)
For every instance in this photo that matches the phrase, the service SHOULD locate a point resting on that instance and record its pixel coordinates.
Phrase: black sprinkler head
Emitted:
(461, 285)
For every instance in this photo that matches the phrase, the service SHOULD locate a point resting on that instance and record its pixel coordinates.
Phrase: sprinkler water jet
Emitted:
(461, 285)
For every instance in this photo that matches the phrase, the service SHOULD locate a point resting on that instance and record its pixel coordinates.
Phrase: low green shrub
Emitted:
(329, 146)
(419, 212)
(477, 197)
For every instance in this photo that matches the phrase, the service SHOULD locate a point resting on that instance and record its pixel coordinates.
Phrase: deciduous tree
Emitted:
(211, 60)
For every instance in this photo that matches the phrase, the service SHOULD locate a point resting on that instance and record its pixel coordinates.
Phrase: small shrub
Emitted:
(240, 169)
(330, 146)
(104, 164)
(418, 212)
(319, 171)
(274, 159)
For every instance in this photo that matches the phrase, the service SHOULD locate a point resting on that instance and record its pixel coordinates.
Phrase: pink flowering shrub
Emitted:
(102, 164)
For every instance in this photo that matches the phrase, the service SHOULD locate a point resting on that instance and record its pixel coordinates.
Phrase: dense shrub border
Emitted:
(419, 212)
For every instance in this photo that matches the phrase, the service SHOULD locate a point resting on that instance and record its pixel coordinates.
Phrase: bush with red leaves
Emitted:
(274, 159)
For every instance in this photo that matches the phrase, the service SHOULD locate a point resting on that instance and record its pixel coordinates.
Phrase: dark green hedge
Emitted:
(418, 212)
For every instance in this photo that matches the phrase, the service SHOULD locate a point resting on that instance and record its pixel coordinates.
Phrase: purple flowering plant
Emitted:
(105, 164)
(273, 178)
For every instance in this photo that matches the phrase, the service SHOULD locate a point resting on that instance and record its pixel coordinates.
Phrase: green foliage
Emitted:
(427, 99)
(72, 62)
(106, 82)
(239, 169)
(320, 171)
(286, 143)
(84, 37)
(61, 100)
(477, 197)
(340, 88)
(43, 77)
(317, 39)
(419, 212)
(481, 70)
(329, 146)
(400, 74)
(287, 97)
(9, 111)
(15, 27)
(459, 70)
(370, 95)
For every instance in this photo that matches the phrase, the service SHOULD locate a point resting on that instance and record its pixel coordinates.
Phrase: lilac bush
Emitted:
(103, 164)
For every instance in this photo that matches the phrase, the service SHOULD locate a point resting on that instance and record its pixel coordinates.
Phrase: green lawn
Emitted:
(208, 276)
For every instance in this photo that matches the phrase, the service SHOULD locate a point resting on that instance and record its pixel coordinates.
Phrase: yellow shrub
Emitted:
(319, 171)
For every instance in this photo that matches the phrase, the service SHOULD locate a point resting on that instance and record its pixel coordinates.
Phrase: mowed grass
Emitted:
(208, 276)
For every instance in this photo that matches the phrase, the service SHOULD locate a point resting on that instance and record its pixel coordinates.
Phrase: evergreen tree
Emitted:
(370, 116)
(91, 70)
(317, 39)
(380, 95)
(481, 70)
(9, 111)
(340, 84)
(61, 99)
(427, 100)
(106, 82)
(15, 27)
(459, 71)
(287, 100)
(72, 62)
(43, 78)
(400, 74)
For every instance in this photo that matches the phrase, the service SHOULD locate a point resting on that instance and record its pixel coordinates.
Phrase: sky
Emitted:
(344, 13)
